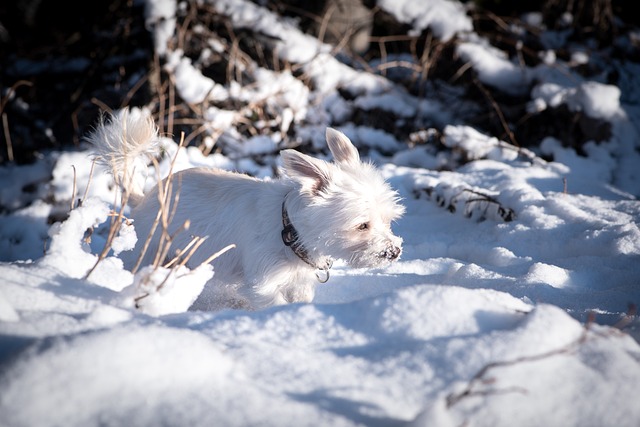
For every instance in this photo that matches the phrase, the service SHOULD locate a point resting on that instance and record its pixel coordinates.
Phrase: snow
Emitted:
(444, 17)
(493, 67)
(595, 99)
(192, 85)
(508, 306)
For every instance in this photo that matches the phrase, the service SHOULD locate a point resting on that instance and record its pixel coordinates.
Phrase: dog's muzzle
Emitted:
(391, 253)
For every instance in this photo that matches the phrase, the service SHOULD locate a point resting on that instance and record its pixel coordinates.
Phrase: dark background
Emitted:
(62, 62)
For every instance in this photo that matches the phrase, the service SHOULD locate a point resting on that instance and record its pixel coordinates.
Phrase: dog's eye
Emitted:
(364, 226)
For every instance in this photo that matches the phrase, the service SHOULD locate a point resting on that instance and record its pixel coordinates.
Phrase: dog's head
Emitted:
(344, 209)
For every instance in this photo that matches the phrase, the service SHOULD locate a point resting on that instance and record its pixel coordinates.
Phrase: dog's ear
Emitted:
(313, 174)
(341, 147)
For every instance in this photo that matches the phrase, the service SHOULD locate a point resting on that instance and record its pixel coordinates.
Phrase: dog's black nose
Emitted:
(392, 252)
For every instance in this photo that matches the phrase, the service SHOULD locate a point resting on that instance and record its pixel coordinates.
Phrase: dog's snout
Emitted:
(392, 252)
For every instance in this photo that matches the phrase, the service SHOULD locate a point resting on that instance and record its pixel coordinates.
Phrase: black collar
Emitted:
(291, 239)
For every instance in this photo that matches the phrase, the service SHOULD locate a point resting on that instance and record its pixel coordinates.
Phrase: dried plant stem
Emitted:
(217, 254)
(101, 105)
(165, 219)
(5, 120)
(73, 190)
(194, 244)
(479, 377)
(181, 252)
(154, 226)
(164, 190)
(114, 229)
(7, 137)
(127, 98)
(198, 241)
(498, 111)
(86, 190)
(172, 103)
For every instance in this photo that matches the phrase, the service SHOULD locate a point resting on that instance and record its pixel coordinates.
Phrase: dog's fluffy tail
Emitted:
(124, 142)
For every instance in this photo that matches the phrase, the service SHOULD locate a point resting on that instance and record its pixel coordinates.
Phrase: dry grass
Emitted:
(168, 198)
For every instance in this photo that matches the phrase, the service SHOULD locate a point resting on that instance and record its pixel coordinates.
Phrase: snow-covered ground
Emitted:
(511, 305)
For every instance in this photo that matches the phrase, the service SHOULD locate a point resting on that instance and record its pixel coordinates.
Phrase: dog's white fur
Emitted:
(341, 210)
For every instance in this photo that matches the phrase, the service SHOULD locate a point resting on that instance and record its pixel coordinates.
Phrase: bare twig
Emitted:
(217, 254)
(7, 137)
(129, 95)
(164, 190)
(86, 190)
(195, 242)
(5, 120)
(73, 190)
(498, 111)
(11, 92)
(101, 105)
(480, 376)
(114, 229)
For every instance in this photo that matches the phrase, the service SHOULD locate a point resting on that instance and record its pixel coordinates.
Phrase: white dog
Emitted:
(286, 231)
